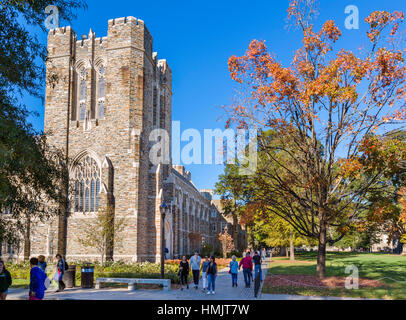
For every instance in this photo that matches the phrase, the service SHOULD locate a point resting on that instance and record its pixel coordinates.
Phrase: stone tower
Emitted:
(103, 98)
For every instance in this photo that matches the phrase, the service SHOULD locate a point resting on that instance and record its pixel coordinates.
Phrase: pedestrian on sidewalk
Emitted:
(37, 281)
(257, 265)
(183, 273)
(60, 271)
(5, 281)
(205, 266)
(42, 263)
(234, 271)
(246, 264)
(211, 275)
(263, 254)
(195, 267)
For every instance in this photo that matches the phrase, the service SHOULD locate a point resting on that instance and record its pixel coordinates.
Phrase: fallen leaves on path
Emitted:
(313, 281)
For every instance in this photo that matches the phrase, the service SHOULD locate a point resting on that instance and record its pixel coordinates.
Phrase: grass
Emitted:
(384, 267)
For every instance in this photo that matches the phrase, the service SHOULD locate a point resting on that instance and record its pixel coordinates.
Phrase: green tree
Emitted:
(30, 172)
(103, 232)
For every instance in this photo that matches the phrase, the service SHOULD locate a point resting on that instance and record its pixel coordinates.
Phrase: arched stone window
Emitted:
(86, 177)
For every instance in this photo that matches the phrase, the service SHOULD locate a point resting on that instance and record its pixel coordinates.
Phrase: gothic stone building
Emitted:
(105, 97)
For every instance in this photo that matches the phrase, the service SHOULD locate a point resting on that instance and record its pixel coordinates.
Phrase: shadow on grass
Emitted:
(370, 265)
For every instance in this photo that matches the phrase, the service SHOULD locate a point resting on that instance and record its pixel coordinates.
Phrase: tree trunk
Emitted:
(403, 249)
(292, 247)
(27, 240)
(287, 252)
(321, 253)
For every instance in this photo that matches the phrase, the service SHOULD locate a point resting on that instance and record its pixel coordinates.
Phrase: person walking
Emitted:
(195, 267)
(5, 281)
(234, 271)
(183, 273)
(42, 263)
(257, 265)
(263, 254)
(37, 281)
(246, 264)
(205, 266)
(211, 275)
(60, 271)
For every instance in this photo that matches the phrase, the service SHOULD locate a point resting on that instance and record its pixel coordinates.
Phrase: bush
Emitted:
(117, 269)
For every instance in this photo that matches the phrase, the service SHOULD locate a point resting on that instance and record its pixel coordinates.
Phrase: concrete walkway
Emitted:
(224, 291)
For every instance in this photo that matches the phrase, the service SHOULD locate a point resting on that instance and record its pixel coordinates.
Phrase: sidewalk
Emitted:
(224, 291)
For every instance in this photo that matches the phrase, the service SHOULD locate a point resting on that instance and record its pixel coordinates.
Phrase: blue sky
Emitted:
(197, 38)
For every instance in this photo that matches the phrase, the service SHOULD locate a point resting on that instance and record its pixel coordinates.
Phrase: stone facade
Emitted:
(104, 96)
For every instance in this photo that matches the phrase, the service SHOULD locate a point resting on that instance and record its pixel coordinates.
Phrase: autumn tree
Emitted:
(227, 242)
(235, 192)
(327, 102)
(386, 154)
(103, 232)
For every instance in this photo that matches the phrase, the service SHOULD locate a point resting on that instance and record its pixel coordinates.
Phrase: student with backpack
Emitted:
(257, 265)
(61, 267)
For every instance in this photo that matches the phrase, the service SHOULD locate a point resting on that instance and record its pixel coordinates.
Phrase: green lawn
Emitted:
(387, 268)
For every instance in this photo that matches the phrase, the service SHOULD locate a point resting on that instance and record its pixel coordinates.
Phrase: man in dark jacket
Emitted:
(257, 265)
(37, 281)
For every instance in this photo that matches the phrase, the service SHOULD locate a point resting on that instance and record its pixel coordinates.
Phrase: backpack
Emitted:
(66, 266)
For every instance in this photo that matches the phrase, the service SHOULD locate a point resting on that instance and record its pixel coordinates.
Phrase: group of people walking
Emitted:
(209, 270)
(39, 282)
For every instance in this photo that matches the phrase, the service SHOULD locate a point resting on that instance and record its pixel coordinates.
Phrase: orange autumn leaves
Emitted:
(379, 20)
(313, 77)
(376, 154)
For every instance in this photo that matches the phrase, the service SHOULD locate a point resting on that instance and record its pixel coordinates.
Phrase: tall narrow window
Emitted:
(154, 107)
(87, 186)
(92, 196)
(76, 195)
(82, 93)
(101, 93)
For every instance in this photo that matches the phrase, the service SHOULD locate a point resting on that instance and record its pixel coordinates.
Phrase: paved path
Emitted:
(224, 291)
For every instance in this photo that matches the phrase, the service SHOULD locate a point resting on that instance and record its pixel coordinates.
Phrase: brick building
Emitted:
(105, 96)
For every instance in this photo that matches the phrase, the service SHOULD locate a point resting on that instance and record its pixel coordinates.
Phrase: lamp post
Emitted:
(163, 208)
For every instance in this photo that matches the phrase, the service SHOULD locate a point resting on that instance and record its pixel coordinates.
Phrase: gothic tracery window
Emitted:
(87, 185)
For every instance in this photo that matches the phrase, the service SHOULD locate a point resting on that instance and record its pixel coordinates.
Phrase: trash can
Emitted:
(87, 275)
(69, 277)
